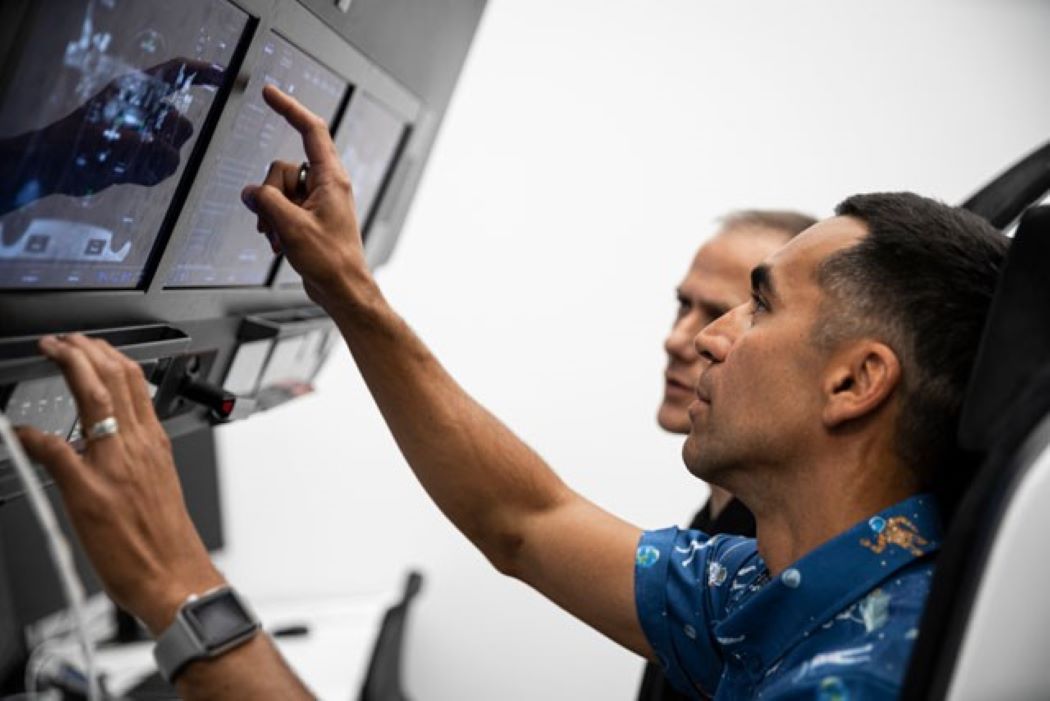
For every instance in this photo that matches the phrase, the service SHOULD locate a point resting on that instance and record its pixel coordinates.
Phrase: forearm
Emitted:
(489, 483)
(254, 670)
(495, 489)
(486, 480)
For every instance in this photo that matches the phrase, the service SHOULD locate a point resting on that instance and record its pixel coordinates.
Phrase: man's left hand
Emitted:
(122, 494)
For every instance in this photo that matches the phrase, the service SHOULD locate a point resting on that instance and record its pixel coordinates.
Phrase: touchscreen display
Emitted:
(223, 247)
(102, 104)
(368, 142)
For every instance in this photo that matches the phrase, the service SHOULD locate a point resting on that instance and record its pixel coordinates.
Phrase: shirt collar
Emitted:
(827, 580)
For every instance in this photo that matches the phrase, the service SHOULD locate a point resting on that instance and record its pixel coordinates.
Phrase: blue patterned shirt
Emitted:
(838, 624)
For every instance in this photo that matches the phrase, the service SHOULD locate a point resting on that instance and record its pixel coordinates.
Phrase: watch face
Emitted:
(219, 619)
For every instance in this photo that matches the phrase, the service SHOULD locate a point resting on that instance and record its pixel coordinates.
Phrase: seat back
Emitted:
(383, 680)
(1004, 648)
(984, 578)
(1016, 340)
(1020, 186)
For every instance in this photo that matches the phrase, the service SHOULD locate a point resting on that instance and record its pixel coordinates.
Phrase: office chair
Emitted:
(985, 633)
(1021, 185)
(383, 681)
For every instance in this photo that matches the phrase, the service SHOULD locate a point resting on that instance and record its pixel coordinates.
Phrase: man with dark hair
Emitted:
(807, 435)
(906, 257)
(717, 281)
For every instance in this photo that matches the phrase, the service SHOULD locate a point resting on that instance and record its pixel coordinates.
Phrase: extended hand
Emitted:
(131, 131)
(122, 141)
(319, 232)
(122, 494)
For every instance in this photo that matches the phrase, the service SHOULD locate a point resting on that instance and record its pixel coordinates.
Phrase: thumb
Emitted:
(54, 453)
(270, 203)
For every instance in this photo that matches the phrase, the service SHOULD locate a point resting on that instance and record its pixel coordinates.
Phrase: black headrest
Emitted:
(1018, 187)
(1015, 345)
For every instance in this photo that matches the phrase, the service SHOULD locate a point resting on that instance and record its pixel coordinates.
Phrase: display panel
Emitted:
(368, 142)
(91, 164)
(223, 247)
(367, 145)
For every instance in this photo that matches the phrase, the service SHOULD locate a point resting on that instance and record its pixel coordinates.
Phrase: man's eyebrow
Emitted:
(762, 281)
(712, 307)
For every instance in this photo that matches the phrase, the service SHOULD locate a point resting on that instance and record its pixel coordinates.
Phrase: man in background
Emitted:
(717, 281)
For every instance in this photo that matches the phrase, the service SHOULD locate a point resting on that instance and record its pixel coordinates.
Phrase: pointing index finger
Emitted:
(317, 142)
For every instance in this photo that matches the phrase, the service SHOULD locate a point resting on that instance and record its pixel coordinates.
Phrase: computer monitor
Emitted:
(368, 141)
(368, 146)
(223, 247)
(92, 164)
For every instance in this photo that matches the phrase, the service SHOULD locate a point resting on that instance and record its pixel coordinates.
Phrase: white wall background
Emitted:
(589, 148)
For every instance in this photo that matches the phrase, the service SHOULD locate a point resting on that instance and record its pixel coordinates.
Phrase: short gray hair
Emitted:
(789, 222)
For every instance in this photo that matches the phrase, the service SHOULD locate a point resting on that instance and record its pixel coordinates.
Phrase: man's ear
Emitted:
(859, 379)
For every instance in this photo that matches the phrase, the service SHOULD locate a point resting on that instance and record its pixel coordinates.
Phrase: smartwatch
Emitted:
(205, 626)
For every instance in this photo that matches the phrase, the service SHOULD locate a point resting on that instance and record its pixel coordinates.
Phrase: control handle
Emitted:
(224, 406)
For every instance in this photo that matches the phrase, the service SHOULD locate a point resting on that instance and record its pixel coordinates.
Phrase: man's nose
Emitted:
(714, 341)
(679, 343)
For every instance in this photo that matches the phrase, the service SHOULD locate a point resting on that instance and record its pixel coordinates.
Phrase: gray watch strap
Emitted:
(182, 643)
(177, 647)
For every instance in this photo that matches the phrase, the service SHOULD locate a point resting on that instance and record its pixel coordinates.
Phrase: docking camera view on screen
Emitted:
(91, 164)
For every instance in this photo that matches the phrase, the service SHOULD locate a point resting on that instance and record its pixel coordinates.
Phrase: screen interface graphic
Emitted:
(367, 143)
(223, 247)
(102, 106)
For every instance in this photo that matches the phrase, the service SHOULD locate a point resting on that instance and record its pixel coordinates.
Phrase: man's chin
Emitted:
(692, 455)
(700, 459)
(673, 418)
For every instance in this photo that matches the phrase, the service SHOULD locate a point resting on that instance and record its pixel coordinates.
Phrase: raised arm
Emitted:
(496, 490)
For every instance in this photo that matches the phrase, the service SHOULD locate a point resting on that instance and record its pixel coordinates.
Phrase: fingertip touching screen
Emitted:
(92, 164)
(368, 141)
(222, 247)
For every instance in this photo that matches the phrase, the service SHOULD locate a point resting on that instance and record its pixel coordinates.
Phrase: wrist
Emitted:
(352, 292)
(207, 626)
(160, 610)
(50, 152)
(12, 188)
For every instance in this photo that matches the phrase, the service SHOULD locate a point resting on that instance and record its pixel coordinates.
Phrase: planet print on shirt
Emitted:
(646, 556)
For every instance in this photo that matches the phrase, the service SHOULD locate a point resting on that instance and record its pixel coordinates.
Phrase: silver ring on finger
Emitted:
(300, 180)
(103, 429)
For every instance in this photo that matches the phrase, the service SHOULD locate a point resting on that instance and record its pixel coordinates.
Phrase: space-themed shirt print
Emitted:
(838, 624)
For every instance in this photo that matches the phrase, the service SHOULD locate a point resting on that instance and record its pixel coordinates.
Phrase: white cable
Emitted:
(58, 546)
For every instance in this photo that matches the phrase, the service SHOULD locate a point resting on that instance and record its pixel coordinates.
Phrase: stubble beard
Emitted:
(705, 459)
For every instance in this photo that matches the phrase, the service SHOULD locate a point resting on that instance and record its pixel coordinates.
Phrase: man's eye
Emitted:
(683, 307)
